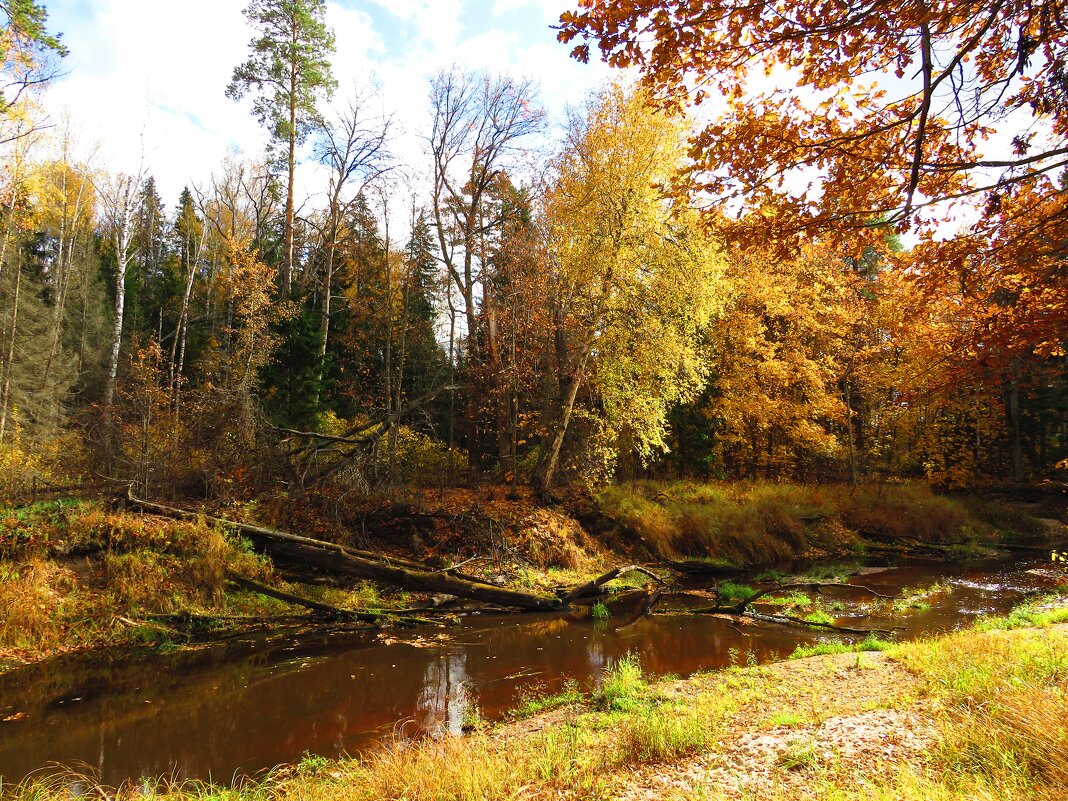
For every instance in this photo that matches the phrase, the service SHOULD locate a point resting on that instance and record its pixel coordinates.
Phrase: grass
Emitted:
(730, 591)
(917, 599)
(795, 600)
(819, 616)
(139, 568)
(786, 719)
(870, 643)
(760, 522)
(1038, 613)
(622, 685)
(533, 703)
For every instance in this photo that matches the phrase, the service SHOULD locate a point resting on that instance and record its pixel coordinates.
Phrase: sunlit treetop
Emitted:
(824, 116)
(896, 101)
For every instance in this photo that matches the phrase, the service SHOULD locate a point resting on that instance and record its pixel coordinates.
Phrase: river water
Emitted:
(230, 711)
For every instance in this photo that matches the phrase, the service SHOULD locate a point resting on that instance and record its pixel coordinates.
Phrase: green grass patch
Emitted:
(795, 600)
(622, 684)
(533, 703)
(786, 719)
(870, 643)
(600, 612)
(1033, 614)
(730, 591)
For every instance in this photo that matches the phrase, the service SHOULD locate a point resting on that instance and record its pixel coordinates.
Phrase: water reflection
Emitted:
(214, 715)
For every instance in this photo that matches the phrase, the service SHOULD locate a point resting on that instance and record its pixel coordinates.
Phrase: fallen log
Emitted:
(268, 533)
(339, 559)
(698, 567)
(414, 580)
(594, 587)
(785, 620)
(325, 609)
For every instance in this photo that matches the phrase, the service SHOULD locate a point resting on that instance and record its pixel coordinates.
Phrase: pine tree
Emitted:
(287, 72)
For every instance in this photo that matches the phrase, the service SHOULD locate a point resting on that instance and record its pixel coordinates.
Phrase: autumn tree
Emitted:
(288, 71)
(788, 356)
(354, 145)
(823, 116)
(633, 278)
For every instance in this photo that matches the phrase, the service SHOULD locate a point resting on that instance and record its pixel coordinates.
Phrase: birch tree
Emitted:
(120, 200)
(634, 281)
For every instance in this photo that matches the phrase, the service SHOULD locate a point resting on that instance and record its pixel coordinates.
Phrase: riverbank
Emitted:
(79, 575)
(975, 714)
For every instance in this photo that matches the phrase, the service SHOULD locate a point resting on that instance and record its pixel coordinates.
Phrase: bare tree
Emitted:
(478, 125)
(355, 146)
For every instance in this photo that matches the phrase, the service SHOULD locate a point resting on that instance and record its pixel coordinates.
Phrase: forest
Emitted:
(790, 284)
(604, 318)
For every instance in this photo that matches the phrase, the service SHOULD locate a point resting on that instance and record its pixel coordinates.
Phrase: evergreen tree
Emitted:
(287, 71)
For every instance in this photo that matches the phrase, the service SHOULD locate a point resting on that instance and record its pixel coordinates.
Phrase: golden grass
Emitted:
(760, 522)
(144, 566)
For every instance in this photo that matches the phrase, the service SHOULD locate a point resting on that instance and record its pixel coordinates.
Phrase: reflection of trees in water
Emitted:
(444, 697)
(218, 711)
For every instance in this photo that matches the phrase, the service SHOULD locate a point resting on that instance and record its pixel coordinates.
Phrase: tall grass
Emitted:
(143, 566)
(760, 522)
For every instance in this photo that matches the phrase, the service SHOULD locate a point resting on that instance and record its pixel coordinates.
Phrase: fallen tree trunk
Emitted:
(594, 587)
(339, 559)
(696, 566)
(321, 608)
(783, 620)
(289, 598)
(415, 580)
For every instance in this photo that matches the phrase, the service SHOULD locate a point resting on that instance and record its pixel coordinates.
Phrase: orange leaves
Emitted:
(898, 109)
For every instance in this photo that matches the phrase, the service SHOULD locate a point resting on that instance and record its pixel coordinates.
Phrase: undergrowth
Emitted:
(77, 575)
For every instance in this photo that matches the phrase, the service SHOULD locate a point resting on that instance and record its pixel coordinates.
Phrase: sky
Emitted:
(145, 79)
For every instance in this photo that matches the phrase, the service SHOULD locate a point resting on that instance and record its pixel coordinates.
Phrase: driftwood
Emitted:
(740, 609)
(594, 587)
(905, 544)
(339, 559)
(785, 620)
(289, 598)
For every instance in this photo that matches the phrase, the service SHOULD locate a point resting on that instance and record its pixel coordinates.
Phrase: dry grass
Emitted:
(759, 522)
(30, 598)
(139, 566)
(907, 511)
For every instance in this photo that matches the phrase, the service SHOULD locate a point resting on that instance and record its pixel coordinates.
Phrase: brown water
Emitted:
(226, 712)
